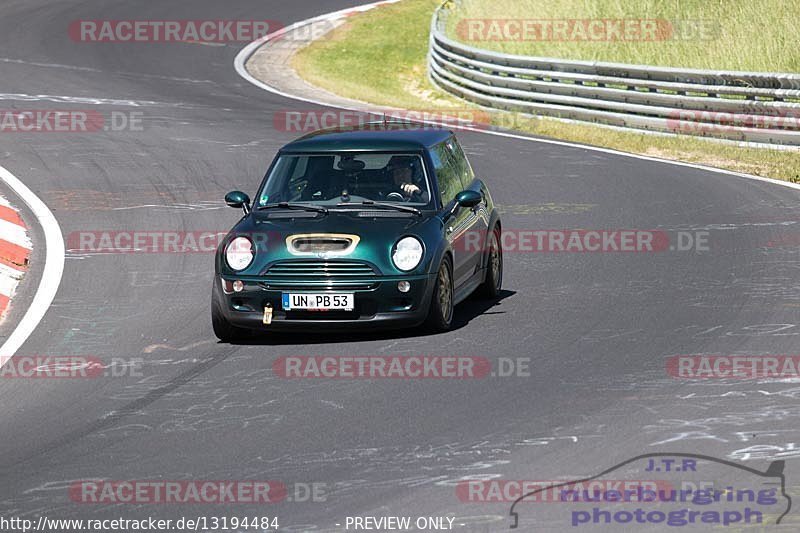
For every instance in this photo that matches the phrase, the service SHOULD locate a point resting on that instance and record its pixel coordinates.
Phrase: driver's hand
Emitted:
(409, 189)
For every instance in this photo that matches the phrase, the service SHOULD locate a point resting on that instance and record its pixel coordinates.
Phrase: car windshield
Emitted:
(331, 179)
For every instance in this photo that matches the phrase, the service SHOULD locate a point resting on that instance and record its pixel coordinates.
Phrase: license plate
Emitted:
(318, 301)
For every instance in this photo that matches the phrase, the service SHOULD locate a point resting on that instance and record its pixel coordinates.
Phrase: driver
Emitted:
(401, 169)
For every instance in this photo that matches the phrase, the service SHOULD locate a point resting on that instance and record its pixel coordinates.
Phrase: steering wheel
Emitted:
(396, 197)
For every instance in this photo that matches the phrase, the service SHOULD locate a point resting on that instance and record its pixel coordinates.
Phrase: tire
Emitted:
(491, 286)
(224, 330)
(440, 310)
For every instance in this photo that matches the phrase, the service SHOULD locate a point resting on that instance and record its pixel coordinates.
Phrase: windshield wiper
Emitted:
(371, 203)
(287, 205)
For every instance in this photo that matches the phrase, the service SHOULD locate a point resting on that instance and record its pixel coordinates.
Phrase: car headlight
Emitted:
(239, 253)
(407, 253)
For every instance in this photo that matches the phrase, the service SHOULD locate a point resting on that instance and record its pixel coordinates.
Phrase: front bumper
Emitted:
(381, 306)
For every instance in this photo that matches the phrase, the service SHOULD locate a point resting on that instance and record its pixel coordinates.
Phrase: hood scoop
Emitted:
(322, 244)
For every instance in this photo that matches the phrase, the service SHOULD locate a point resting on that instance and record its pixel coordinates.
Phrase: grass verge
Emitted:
(380, 57)
(706, 34)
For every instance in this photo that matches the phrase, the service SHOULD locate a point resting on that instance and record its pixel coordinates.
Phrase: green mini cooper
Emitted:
(376, 227)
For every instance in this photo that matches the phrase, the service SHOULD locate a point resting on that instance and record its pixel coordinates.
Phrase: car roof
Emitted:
(369, 137)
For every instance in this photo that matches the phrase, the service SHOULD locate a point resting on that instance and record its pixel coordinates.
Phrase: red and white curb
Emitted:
(53, 259)
(15, 250)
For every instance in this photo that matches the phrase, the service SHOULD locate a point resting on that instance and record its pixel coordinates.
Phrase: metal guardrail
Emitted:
(753, 107)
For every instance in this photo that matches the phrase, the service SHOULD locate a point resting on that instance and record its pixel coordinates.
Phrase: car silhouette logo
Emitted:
(773, 478)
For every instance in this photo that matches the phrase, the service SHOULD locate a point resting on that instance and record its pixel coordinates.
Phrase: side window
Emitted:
(447, 174)
(462, 163)
(297, 179)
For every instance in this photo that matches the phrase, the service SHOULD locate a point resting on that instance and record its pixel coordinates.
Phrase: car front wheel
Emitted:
(491, 286)
(440, 312)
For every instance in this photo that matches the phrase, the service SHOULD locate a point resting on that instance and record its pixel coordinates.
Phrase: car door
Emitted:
(459, 226)
(479, 219)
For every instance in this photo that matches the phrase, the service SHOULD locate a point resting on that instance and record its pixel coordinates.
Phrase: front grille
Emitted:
(309, 274)
(326, 269)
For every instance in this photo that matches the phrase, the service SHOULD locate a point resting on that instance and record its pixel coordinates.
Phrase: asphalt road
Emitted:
(596, 327)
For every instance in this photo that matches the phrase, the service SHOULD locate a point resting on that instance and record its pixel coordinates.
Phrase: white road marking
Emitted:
(53, 266)
(14, 233)
(81, 100)
(10, 272)
(8, 284)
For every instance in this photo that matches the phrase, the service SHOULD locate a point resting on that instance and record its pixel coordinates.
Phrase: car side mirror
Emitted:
(238, 199)
(468, 198)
